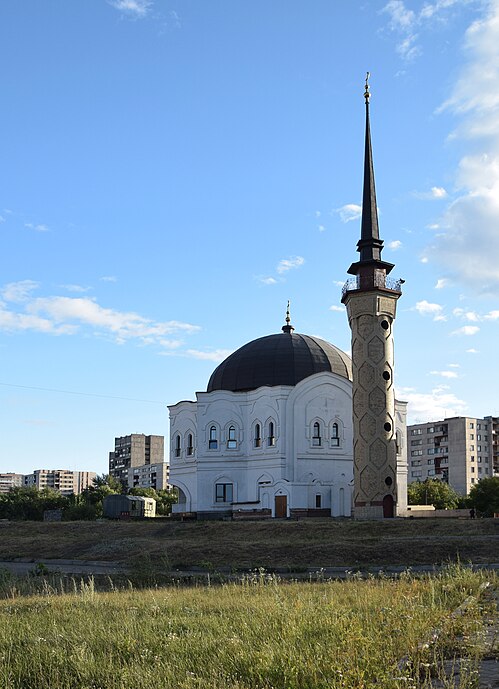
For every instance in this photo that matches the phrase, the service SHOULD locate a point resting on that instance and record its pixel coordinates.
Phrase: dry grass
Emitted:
(307, 543)
(258, 634)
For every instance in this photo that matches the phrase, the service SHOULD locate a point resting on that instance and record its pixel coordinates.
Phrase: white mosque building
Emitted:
(288, 427)
(272, 435)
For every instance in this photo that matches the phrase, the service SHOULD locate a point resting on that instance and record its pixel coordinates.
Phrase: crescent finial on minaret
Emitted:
(367, 93)
(288, 328)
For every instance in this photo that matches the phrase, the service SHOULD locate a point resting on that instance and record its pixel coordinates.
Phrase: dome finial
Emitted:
(367, 93)
(288, 328)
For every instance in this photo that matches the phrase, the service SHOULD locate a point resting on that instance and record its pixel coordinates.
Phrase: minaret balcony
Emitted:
(366, 283)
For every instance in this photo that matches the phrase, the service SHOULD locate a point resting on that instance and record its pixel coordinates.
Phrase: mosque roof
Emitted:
(281, 359)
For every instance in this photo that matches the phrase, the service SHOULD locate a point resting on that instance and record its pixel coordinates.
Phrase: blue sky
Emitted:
(172, 172)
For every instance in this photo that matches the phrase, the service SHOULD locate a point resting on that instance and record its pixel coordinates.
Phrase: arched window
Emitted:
(177, 446)
(231, 438)
(316, 437)
(190, 445)
(271, 435)
(258, 435)
(213, 440)
(335, 435)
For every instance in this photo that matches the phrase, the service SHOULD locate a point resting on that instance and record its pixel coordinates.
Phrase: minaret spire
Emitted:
(370, 245)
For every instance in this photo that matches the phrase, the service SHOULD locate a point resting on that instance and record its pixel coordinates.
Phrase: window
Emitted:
(318, 501)
(335, 435)
(177, 446)
(472, 425)
(479, 448)
(472, 436)
(213, 441)
(416, 453)
(472, 448)
(479, 436)
(431, 461)
(271, 436)
(258, 435)
(472, 470)
(231, 438)
(417, 442)
(416, 431)
(431, 472)
(190, 446)
(416, 462)
(416, 473)
(478, 427)
(479, 470)
(316, 437)
(223, 492)
(431, 429)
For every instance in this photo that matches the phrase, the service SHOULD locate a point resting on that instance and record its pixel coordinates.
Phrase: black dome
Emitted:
(282, 359)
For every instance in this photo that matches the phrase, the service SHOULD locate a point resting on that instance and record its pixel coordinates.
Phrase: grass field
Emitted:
(257, 634)
(286, 544)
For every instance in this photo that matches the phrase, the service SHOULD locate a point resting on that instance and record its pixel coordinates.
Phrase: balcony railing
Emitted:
(371, 282)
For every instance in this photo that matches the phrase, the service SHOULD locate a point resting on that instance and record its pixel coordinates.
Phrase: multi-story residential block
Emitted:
(493, 424)
(138, 460)
(65, 481)
(10, 480)
(458, 450)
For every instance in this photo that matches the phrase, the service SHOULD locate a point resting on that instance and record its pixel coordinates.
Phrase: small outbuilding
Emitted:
(128, 506)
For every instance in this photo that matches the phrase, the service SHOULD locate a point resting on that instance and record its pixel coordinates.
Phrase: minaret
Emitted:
(371, 299)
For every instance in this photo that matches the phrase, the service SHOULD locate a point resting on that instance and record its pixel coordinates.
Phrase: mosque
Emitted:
(290, 425)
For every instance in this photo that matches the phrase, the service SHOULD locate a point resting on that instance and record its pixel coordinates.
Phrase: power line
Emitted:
(82, 394)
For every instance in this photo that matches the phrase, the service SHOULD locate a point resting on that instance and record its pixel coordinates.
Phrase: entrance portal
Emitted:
(281, 506)
(388, 506)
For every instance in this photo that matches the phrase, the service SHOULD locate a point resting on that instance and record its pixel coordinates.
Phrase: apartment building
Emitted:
(10, 480)
(459, 450)
(138, 460)
(65, 481)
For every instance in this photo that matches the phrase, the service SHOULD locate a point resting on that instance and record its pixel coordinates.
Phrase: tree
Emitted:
(108, 480)
(29, 503)
(484, 496)
(433, 492)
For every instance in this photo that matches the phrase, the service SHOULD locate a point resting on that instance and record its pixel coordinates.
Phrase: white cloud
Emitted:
(2, 219)
(444, 374)
(400, 16)
(470, 246)
(437, 404)
(216, 355)
(466, 330)
(472, 350)
(340, 309)
(405, 22)
(426, 308)
(491, 316)
(435, 193)
(441, 283)
(132, 8)
(349, 212)
(318, 214)
(395, 245)
(109, 278)
(67, 315)
(267, 280)
(19, 291)
(288, 263)
(76, 288)
(339, 283)
(424, 259)
(321, 228)
(454, 365)
(37, 228)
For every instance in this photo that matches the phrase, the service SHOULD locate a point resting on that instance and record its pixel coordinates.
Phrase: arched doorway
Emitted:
(388, 507)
